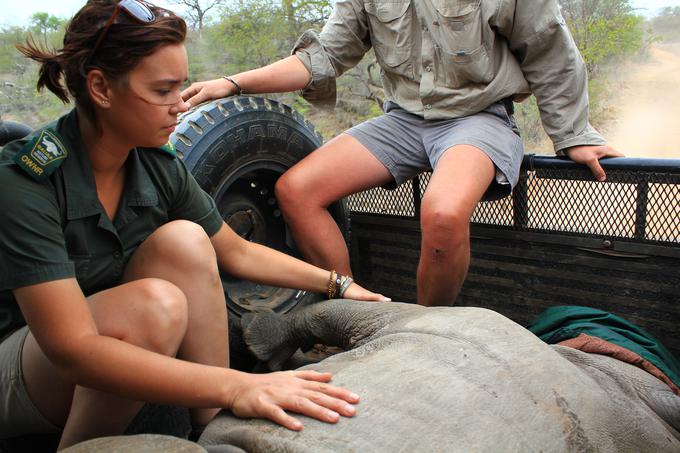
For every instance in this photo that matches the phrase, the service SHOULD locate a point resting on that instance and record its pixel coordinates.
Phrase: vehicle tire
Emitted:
(11, 130)
(237, 148)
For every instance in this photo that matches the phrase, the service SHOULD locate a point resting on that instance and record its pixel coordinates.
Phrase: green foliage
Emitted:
(604, 30)
(252, 33)
(43, 24)
(19, 99)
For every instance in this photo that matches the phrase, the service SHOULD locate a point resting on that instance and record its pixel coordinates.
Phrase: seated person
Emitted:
(110, 294)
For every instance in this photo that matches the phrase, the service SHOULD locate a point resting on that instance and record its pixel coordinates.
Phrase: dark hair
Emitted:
(124, 46)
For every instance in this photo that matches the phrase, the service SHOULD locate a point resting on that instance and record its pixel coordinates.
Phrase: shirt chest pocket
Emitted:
(390, 22)
(462, 42)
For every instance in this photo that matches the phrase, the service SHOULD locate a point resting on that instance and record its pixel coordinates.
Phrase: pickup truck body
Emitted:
(560, 239)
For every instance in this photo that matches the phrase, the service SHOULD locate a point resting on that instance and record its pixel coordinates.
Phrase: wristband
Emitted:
(239, 91)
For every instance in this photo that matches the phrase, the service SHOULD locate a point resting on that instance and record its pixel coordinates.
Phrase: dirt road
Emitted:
(648, 118)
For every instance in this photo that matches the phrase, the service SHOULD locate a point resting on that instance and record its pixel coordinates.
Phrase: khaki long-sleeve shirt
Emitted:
(451, 58)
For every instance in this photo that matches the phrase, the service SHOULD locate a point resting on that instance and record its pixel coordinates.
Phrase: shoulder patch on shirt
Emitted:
(169, 148)
(42, 155)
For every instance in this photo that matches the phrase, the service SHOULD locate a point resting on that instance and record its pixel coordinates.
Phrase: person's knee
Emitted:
(444, 230)
(288, 189)
(185, 244)
(158, 321)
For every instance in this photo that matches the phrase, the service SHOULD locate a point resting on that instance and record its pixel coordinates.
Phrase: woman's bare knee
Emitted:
(181, 244)
(154, 316)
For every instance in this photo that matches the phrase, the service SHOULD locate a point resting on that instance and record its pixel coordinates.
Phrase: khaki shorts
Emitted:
(407, 144)
(18, 415)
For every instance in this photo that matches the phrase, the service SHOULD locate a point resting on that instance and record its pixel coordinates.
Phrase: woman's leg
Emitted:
(341, 167)
(148, 313)
(180, 252)
(172, 318)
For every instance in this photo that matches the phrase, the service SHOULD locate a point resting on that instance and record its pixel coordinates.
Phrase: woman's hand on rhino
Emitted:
(204, 91)
(356, 292)
(304, 392)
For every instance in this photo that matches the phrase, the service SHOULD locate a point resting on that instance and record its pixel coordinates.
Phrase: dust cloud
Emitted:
(648, 107)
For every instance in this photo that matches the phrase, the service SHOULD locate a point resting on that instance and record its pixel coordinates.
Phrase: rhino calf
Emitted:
(453, 379)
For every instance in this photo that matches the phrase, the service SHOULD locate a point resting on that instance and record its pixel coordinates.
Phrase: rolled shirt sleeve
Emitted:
(339, 47)
(552, 65)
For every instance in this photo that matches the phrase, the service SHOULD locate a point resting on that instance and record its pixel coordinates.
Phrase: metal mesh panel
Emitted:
(635, 204)
(581, 207)
(663, 213)
(397, 202)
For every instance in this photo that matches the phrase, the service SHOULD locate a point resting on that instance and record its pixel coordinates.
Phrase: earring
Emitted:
(105, 102)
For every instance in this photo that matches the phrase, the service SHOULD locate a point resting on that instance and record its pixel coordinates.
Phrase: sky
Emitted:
(17, 12)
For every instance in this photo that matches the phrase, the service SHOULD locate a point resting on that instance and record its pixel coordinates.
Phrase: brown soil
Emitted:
(648, 106)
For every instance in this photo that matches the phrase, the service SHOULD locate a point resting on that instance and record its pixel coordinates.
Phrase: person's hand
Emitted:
(356, 292)
(210, 89)
(304, 392)
(590, 155)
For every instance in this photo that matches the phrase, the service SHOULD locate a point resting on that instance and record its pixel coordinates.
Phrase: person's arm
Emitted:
(288, 74)
(60, 319)
(317, 60)
(255, 262)
(552, 65)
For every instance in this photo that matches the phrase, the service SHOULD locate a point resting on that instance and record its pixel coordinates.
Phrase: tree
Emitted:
(301, 15)
(44, 23)
(603, 29)
(197, 11)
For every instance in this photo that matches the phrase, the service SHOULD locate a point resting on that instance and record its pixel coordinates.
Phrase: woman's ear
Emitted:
(99, 89)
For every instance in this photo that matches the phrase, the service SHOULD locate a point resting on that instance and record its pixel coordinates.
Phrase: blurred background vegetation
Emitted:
(228, 36)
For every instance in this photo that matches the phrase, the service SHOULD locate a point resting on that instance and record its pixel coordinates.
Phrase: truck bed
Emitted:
(560, 239)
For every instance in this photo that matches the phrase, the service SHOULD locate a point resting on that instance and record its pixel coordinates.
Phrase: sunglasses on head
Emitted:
(137, 10)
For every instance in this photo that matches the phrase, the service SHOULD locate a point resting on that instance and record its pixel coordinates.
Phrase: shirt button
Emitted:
(428, 107)
(117, 255)
(428, 68)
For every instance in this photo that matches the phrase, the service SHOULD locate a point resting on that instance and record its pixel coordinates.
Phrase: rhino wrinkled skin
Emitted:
(453, 379)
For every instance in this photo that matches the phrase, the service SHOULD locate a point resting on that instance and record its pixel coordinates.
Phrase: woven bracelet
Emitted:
(345, 284)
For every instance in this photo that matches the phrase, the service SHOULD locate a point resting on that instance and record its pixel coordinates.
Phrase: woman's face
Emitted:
(144, 110)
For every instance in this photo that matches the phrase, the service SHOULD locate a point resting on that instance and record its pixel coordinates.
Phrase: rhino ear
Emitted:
(267, 338)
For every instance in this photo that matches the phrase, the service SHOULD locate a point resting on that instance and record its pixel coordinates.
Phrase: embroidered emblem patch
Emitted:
(169, 148)
(41, 156)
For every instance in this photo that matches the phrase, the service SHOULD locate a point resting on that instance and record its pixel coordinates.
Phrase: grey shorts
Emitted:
(18, 414)
(407, 144)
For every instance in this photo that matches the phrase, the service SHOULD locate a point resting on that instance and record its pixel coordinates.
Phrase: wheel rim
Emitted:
(247, 203)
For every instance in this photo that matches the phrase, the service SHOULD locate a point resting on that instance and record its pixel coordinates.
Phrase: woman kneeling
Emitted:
(110, 293)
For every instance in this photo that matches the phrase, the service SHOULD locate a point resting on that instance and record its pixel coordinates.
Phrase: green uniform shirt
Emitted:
(443, 59)
(58, 229)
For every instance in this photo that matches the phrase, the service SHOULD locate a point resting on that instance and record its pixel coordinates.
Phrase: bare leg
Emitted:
(462, 176)
(180, 252)
(148, 313)
(152, 313)
(341, 167)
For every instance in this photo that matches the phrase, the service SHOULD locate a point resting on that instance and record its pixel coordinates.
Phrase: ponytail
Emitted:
(51, 72)
(64, 71)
